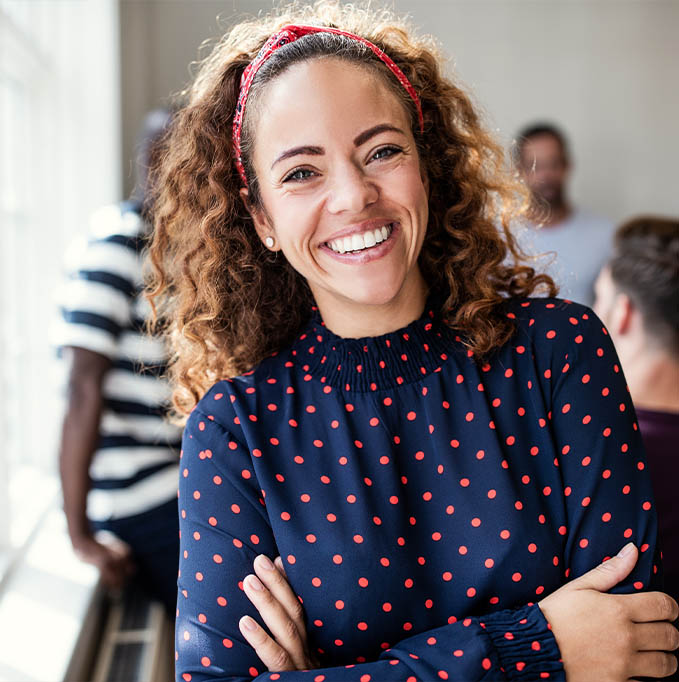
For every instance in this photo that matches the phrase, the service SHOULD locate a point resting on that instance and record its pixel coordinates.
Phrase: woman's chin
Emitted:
(367, 293)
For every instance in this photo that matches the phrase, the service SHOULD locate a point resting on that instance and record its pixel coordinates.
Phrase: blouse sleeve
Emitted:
(224, 526)
(602, 460)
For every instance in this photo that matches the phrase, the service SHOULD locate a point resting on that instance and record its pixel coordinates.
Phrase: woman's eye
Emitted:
(385, 153)
(298, 175)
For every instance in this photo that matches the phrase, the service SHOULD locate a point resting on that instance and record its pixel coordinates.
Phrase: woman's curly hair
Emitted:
(224, 300)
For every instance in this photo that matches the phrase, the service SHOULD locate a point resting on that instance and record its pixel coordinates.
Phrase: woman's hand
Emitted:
(620, 636)
(282, 612)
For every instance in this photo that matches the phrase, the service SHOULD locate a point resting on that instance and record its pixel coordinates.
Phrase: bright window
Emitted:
(59, 160)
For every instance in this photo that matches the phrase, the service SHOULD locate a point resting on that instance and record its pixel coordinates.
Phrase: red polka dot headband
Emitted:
(288, 34)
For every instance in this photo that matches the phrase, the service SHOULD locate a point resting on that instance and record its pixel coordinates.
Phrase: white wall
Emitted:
(606, 70)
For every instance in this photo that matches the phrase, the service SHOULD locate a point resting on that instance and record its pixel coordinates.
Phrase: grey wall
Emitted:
(161, 40)
(605, 70)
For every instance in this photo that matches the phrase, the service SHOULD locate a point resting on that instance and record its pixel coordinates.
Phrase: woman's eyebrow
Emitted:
(296, 151)
(363, 137)
(360, 139)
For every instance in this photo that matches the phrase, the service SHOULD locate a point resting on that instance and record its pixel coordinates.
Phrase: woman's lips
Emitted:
(365, 252)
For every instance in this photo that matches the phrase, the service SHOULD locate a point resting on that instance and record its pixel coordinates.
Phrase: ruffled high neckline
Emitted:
(375, 363)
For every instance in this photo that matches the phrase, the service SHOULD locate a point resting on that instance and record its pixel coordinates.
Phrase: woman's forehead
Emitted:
(325, 98)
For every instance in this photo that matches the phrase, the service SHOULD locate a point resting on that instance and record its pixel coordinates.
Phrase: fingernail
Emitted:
(248, 623)
(254, 582)
(265, 562)
(626, 550)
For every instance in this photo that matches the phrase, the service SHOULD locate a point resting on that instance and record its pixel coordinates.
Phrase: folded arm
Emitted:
(224, 527)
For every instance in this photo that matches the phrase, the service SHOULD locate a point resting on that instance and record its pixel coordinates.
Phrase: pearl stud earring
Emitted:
(269, 241)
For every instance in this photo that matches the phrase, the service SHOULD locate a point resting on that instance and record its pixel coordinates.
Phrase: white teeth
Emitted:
(358, 242)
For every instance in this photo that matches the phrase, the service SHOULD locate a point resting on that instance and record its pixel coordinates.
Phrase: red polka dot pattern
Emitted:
(421, 502)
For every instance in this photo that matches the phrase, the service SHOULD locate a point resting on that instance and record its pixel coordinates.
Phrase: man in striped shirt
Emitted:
(118, 454)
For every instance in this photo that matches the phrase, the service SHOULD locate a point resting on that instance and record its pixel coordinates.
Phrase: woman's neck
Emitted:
(351, 319)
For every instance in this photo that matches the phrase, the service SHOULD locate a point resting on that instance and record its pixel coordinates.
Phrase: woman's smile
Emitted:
(363, 245)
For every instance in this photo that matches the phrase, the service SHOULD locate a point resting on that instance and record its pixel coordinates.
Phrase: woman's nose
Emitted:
(351, 190)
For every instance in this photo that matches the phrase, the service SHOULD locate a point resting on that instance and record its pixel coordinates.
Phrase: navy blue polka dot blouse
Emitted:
(421, 502)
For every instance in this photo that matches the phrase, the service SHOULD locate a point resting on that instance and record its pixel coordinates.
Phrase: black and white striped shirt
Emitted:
(103, 310)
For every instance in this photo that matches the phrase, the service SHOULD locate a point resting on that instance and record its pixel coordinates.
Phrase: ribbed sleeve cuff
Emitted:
(525, 644)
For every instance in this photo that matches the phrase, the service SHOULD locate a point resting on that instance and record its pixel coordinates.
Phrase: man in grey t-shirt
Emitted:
(580, 241)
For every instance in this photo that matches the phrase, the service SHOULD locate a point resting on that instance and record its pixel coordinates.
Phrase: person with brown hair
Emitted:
(397, 463)
(637, 296)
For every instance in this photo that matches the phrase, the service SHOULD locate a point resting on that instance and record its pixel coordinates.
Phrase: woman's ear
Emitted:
(261, 221)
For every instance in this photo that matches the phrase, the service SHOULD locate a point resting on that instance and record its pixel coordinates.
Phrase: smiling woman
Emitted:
(223, 286)
(365, 180)
(403, 450)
